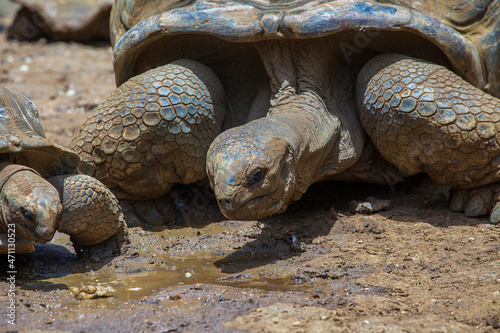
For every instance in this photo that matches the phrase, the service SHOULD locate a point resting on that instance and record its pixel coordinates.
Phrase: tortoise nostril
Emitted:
(226, 203)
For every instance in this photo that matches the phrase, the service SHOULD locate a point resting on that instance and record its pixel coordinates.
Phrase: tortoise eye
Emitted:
(28, 215)
(256, 176)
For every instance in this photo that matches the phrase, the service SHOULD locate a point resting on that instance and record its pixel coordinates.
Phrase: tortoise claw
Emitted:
(495, 214)
(477, 202)
(476, 206)
(458, 200)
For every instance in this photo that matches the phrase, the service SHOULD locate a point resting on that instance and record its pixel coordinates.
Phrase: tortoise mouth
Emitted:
(44, 236)
(24, 232)
(40, 235)
(255, 208)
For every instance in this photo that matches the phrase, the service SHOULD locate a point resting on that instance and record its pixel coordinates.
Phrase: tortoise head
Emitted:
(252, 172)
(32, 204)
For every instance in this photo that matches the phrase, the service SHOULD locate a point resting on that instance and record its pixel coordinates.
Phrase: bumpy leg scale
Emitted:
(424, 118)
(154, 130)
(91, 213)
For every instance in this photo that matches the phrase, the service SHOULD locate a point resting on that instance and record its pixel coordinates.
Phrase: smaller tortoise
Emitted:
(38, 193)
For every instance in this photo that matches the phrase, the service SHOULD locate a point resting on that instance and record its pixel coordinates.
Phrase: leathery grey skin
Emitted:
(258, 172)
(300, 66)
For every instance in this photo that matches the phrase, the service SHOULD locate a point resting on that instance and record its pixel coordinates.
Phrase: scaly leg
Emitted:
(154, 130)
(90, 214)
(424, 118)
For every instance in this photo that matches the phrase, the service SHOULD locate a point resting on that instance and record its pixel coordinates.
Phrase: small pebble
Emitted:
(92, 291)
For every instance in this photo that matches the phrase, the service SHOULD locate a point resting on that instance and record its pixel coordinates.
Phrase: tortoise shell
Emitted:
(464, 32)
(22, 139)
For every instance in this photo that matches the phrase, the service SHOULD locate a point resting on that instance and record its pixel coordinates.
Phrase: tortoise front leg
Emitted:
(91, 214)
(424, 118)
(153, 131)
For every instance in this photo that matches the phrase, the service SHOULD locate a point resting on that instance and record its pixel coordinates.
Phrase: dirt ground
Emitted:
(416, 267)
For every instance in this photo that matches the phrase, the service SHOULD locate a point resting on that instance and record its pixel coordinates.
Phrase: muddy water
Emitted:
(312, 269)
(138, 284)
(153, 267)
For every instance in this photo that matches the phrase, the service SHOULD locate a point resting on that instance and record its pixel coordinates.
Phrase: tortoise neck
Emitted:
(7, 169)
(314, 104)
(321, 141)
(306, 65)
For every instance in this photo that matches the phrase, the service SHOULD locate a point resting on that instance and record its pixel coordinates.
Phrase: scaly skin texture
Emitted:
(90, 212)
(423, 118)
(154, 130)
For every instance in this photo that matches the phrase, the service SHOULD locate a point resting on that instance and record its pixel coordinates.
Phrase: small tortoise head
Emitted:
(251, 171)
(32, 204)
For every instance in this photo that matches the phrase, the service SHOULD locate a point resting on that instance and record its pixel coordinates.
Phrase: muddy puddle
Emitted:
(154, 266)
(138, 284)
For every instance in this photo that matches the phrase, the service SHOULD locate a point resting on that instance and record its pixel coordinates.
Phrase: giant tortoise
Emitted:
(268, 97)
(39, 193)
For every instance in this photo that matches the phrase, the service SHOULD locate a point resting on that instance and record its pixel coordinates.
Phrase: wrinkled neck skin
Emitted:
(313, 99)
(311, 131)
